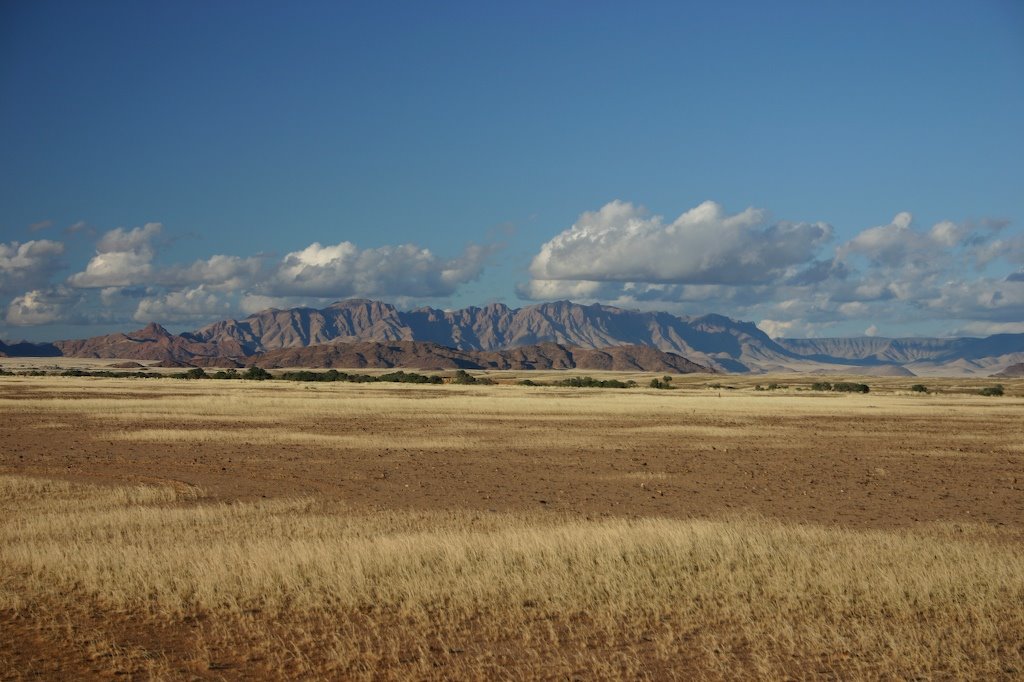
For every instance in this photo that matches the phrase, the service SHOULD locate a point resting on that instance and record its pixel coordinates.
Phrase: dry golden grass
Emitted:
(298, 587)
(171, 582)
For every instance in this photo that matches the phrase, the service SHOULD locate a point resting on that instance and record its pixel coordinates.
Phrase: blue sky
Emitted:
(819, 168)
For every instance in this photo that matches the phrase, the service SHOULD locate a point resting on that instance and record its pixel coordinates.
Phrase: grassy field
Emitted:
(163, 529)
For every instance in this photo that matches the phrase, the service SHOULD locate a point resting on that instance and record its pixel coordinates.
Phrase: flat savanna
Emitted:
(168, 529)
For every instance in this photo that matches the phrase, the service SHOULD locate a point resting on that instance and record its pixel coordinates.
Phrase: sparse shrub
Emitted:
(257, 374)
(302, 375)
(464, 377)
(196, 373)
(996, 390)
(591, 382)
(840, 387)
(409, 378)
(849, 387)
(663, 383)
(528, 382)
(919, 388)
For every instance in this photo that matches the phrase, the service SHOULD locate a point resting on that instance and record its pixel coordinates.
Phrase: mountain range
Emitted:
(553, 332)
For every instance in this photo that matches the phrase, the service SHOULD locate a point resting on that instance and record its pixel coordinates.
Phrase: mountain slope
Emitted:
(426, 355)
(922, 356)
(712, 340)
(908, 349)
(152, 342)
(27, 349)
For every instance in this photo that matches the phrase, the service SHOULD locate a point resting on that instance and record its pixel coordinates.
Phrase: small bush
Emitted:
(996, 390)
(464, 377)
(257, 374)
(196, 373)
(919, 388)
(848, 387)
(840, 387)
(591, 382)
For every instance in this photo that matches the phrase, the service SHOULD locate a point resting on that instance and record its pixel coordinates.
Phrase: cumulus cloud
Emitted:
(28, 265)
(193, 304)
(42, 306)
(221, 272)
(788, 275)
(622, 243)
(123, 258)
(123, 279)
(777, 329)
(343, 269)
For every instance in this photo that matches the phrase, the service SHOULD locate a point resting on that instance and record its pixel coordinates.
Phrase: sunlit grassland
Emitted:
(303, 587)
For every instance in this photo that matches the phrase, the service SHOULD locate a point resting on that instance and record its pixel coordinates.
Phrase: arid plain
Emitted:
(168, 529)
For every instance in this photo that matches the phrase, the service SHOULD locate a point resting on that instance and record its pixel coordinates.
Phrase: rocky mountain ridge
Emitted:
(710, 340)
(426, 355)
(713, 341)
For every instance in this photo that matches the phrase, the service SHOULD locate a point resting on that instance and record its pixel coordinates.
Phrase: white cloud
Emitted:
(872, 330)
(622, 243)
(555, 289)
(224, 273)
(980, 299)
(41, 307)
(28, 265)
(894, 275)
(776, 329)
(340, 270)
(254, 303)
(123, 258)
(892, 245)
(136, 239)
(195, 304)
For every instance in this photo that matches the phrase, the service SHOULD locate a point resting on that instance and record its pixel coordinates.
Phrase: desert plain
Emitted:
(202, 529)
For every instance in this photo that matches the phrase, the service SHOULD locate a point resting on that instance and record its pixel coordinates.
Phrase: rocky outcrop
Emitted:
(711, 340)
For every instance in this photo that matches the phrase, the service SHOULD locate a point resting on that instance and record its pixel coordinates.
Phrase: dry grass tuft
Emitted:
(286, 588)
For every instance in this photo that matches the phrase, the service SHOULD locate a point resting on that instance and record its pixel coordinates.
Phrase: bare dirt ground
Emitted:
(879, 460)
(887, 461)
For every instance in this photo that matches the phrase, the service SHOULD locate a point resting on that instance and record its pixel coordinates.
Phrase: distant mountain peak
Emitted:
(711, 340)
